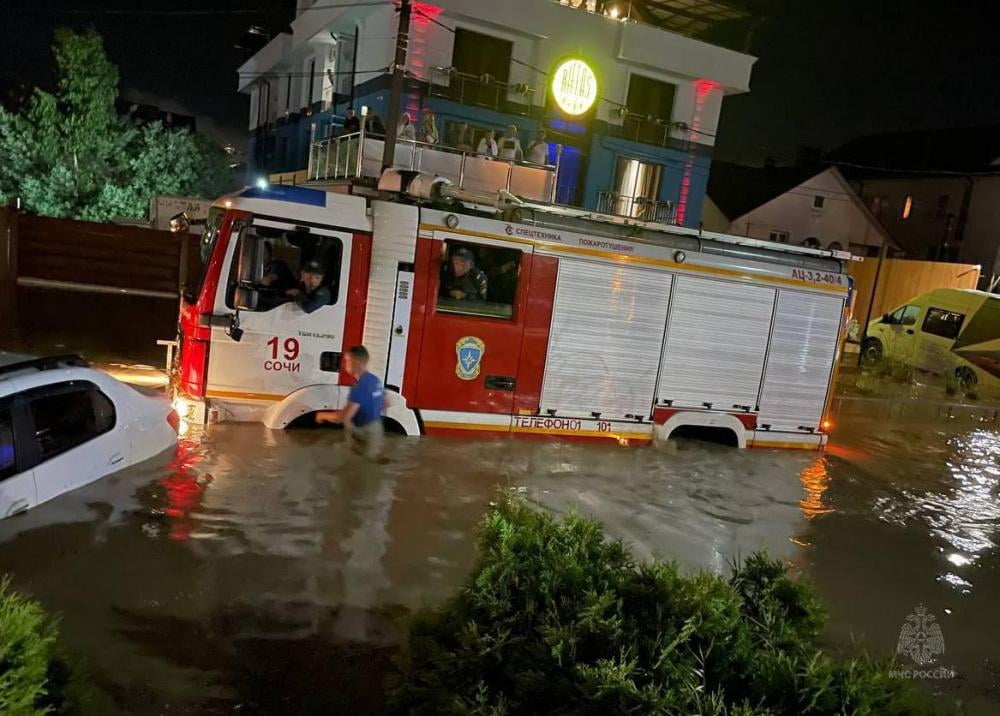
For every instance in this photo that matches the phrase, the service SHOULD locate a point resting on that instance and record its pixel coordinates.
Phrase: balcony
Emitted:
(483, 91)
(356, 156)
(636, 207)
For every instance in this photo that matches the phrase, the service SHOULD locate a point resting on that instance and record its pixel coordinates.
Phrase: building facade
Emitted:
(647, 139)
(822, 211)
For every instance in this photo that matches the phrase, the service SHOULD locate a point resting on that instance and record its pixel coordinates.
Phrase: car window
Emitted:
(7, 462)
(68, 414)
(946, 324)
(909, 315)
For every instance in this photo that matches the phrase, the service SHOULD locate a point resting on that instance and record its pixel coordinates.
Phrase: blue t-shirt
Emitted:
(367, 393)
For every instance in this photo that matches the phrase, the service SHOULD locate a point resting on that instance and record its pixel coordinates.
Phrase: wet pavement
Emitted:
(268, 572)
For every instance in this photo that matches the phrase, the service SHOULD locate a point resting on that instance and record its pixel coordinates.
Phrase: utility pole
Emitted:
(396, 89)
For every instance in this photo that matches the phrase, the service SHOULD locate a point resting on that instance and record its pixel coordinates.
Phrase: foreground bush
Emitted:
(27, 642)
(557, 619)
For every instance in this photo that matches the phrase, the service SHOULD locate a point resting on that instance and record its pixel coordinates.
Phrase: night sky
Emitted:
(827, 71)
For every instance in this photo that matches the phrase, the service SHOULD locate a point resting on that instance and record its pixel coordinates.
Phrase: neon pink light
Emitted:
(702, 89)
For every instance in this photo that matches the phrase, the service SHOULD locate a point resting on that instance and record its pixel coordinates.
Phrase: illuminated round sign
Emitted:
(574, 86)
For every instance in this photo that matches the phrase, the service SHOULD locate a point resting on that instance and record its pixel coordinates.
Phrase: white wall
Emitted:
(840, 220)
(541, 33)
(981, 242)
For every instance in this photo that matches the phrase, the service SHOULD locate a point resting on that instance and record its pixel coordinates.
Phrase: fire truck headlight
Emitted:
(261, 183)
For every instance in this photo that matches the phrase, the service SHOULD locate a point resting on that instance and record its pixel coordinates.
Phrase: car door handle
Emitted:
(500, 382)
(116, 459)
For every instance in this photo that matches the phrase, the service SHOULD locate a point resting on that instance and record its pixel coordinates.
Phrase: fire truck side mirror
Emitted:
(246, 298)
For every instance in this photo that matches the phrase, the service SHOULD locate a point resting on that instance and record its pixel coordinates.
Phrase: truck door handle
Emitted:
(116, 458)
(500, 382)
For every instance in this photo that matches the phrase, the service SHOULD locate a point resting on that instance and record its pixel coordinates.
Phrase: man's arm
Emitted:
(344, 416)
(316, 301)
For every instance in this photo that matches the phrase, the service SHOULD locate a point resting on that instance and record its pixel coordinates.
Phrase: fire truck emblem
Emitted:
(470, 354)
(920, 638)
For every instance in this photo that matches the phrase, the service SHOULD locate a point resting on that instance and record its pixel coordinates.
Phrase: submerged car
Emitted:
(64, 425)
(950, 331)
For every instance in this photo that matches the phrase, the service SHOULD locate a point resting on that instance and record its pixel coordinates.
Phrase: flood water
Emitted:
(267, 572)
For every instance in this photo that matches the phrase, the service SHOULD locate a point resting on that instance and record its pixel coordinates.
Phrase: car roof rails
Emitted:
(70, 360)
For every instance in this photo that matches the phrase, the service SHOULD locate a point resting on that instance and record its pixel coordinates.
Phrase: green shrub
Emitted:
(557, 619)
(27, 643)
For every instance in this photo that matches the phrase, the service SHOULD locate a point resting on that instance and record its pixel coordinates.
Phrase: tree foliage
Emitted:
(70, 154)
(557, 619)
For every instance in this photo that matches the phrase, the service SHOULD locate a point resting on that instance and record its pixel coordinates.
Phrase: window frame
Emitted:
(9, 405)
(478, 245)
(819, 202)
(898, 320)
(233, 281)
(29, 445)
(929, 316)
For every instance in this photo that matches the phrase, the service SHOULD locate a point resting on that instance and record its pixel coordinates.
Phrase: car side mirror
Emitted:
(246, 298)
(886, 318)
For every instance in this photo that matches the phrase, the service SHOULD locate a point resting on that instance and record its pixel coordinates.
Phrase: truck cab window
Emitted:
(478, 280)
(268, 264)
(946, 324)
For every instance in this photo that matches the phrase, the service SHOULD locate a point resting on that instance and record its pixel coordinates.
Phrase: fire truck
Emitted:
(593, 327)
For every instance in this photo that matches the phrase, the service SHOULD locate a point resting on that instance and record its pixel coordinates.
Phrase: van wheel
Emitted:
(871, 350)
(966, 377)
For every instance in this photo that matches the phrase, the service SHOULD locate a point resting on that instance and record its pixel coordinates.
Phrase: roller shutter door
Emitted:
(605, 339)
(800, 360)
(716, 344)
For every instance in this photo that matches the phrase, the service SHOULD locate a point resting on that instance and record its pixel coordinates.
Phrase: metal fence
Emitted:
(637, 207)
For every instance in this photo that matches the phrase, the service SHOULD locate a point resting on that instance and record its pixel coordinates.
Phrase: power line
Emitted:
(916, 172)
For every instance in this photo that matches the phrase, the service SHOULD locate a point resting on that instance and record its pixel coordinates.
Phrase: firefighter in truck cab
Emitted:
(311, 294)
(465, 282)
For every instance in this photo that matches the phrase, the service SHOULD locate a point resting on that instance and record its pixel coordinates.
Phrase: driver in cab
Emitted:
(311, 293)
(465, 282)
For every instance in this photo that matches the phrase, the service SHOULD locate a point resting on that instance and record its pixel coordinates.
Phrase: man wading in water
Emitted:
(362, 418)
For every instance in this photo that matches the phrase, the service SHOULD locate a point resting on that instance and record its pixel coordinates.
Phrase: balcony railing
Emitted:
(357, 155)
(636, 207)
(482, 91)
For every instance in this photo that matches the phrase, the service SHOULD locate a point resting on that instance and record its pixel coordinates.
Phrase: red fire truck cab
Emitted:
(590, 327)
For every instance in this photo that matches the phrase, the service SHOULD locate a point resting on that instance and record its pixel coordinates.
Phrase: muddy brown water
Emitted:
(266, 572)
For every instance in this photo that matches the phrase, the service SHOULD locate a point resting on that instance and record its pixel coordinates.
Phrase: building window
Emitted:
(946, 324)
(475, 56)
(819, 201)
(478, 280)
(649, 97)
(779, 236)
(907, 206)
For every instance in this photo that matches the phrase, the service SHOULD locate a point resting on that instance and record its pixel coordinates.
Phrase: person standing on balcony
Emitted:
(488, 145)
(352, 124)
(374, 125)
(428, 129)
(510, 146)
(406, 128)
(538, 150)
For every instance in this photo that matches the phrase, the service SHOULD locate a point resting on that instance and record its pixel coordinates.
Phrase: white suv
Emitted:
(63, 425)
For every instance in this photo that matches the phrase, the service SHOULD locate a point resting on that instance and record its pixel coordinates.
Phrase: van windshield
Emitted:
(205, 248)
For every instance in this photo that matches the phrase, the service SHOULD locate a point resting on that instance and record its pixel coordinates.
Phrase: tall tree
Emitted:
(70, 154)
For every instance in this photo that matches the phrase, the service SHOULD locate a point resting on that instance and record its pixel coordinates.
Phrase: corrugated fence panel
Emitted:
(716, 344)
(800, 360)
(605, 339)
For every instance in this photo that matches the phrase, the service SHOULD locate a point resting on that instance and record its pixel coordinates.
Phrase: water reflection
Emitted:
(815, 481)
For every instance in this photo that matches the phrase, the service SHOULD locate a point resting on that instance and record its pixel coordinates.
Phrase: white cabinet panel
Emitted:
(716, 344)
(605, 339)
